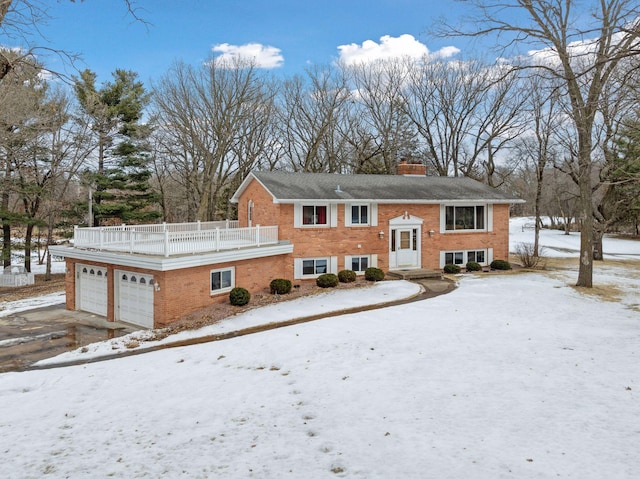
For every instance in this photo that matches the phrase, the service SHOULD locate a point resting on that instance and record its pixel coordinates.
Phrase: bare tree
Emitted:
(311, 110)
(211, 121)
(538, 147)
(381, 132)
(463, 110)
(581, 46)
(20, 20)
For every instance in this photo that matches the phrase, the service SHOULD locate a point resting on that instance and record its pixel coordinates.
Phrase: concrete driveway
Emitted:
(28, 336)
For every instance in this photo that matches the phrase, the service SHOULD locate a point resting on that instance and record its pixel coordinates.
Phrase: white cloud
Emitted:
(264, 56)
(390, 47)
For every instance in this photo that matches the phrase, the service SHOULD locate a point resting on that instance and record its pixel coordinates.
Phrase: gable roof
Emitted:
(335, 188)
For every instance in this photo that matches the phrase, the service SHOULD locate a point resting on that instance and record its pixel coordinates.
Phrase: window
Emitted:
(463, 257)
(359, 214)
(307, 268)
(222, 280)
(312, 267)
(314, 215)
(465, 217)
(358, 263)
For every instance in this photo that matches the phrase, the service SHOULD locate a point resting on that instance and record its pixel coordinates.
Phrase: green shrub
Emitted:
(327, 280)
(500, 264)
(473, 266)
(239, 296)
(373, 274)
(280, 286)
(451, 268)
(346, 276)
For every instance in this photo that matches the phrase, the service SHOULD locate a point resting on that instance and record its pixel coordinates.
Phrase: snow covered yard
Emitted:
(510, 375)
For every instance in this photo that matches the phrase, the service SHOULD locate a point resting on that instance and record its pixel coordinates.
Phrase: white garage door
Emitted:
(92, 289)
(134, 298)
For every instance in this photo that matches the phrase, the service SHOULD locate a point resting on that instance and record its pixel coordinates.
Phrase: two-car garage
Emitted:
(133, 294)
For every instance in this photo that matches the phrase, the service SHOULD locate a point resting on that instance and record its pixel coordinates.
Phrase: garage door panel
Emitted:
(135, 298)
(92, 289)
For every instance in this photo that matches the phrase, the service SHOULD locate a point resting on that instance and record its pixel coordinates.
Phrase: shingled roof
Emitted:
(295, 187)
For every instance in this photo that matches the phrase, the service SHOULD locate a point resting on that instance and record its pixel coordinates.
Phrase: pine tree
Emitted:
(121, 177)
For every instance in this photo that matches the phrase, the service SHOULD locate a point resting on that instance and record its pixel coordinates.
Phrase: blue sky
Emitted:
(284, 35)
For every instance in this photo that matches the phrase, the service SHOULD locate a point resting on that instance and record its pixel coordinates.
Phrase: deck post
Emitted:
(132, 242)
(217, 239)
(101, 239)
(199, 227)
(166, 243)
(257, 235)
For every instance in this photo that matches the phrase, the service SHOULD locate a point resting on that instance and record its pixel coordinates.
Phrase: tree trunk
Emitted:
(27, 247)
(585, 271)
(6, 243)
(598, 251)
(47, 273)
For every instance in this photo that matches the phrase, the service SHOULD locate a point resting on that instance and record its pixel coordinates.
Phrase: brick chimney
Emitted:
(411, 169)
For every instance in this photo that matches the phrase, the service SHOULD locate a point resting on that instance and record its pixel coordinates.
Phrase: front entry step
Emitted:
(411, 274)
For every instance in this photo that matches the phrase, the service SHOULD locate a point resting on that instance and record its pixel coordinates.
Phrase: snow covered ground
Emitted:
(510, 375)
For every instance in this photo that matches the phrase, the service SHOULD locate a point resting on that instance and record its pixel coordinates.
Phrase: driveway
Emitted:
(29, 336)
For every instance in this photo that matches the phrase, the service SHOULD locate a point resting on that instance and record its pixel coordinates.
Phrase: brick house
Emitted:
(290, 225)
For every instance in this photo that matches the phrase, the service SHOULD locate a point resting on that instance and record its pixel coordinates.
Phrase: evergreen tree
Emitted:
(622, 200)
(121, 176)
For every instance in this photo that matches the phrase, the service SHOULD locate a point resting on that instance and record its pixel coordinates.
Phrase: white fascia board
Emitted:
(160, 263)
(236, 196)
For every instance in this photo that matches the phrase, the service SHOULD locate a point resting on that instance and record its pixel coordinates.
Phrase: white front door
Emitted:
(134, 298)
(405, 248)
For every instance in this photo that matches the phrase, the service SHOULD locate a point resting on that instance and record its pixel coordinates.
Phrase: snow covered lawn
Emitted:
(510, 375)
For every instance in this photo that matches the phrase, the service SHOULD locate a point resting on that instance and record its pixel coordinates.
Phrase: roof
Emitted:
(294, 187)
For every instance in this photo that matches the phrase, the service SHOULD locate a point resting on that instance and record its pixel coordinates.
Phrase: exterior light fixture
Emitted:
(431, 233)
(380, 234)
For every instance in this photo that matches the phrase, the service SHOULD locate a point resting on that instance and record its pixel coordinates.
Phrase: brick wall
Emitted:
(350, 241)
(186, 290)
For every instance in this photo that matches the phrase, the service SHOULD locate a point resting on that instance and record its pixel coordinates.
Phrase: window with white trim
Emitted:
(359, 263)
(313, 215)
(222, 280)
(464, 257)
(307, 268)
(315, 266)
(472, 217)
(359, 214)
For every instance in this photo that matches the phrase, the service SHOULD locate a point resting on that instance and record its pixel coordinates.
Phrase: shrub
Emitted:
(373, 274)
(346, 276)
(280, 286)
(473, 266)
(451, 268)
(239, 296)
(528, 259)
(500, 264)
(327, 280)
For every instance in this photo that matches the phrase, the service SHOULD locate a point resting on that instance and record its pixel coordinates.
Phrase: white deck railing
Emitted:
(169, 239)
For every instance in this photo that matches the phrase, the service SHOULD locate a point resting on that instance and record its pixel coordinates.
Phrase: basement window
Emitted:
(222, 280)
